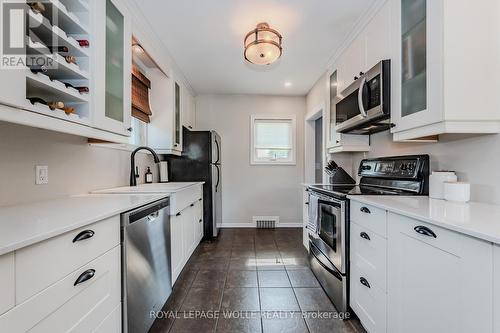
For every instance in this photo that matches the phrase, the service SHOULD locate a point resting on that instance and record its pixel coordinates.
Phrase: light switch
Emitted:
(41, 174)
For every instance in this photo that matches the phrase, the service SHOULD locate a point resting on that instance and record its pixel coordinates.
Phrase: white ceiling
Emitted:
(205, 38)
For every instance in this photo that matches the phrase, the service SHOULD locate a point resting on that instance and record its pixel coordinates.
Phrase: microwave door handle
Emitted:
(360, 97)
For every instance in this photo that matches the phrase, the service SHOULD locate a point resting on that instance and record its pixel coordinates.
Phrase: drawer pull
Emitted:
(364, 282)
(192, 205)
(365, 210)
(307, 203)
(201, 220)
(178, 214)
(200, 199)
(85, 276)
(86, 234)
(425, 231)
(364, 235)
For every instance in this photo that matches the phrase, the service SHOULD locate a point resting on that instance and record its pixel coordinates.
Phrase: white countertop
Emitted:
(151, 188)
(475, 219)
(26, 224)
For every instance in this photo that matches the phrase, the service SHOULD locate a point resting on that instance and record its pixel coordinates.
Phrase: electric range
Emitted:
(328, 224)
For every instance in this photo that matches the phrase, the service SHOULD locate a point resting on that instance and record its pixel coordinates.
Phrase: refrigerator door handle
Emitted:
(218, 151)
(218, 178)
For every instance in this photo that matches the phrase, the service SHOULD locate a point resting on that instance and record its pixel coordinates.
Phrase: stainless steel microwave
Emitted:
(364, 106)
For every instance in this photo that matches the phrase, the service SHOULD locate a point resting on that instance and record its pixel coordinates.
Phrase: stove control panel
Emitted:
(391, 167)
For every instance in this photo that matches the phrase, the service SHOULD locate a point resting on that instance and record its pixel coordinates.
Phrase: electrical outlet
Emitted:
(41, 174)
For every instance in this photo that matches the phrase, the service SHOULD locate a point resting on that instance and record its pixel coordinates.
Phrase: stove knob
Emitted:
(411, 167)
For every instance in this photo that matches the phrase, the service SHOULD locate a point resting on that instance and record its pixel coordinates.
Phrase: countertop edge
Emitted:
(466, 231)
(83, 222)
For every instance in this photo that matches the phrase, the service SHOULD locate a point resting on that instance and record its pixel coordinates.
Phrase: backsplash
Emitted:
(75, 167)
(474, 158)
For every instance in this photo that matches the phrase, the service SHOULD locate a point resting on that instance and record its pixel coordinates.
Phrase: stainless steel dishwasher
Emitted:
(146, 269)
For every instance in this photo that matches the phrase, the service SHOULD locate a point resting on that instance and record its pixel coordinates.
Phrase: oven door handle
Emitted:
(360, 97)
(315, 254)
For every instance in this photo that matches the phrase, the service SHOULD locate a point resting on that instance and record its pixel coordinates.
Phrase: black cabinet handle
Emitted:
(178, 214)
(355, 78)
(307, 203)
(85, 276)
(130, 129)
(361, 73)
(200, 199)
(200, 221)
(192, 205)
(425, 231)
(86, 234)
(364, 235)
(190, 127)
(365, 210)
(364, 282)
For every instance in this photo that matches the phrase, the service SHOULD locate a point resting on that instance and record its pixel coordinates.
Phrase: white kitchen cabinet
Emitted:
(442, 73)
(7, 282)
(351, 62)
(438, 280)
(188, 109)
(496, 289)
(378, 37)
(176, 245)
(165, 128)
(76, 295)
(113, 67)
(186, 230)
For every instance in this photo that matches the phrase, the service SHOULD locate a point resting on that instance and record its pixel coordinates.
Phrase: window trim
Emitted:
(293, 120)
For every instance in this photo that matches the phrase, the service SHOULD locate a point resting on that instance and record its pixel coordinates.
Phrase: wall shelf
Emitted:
(40, 85)
(65, 20)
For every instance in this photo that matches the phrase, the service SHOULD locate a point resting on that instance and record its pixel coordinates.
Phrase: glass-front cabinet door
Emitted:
(177, 117)
(113, 62)
(417, 77)
(333, 91)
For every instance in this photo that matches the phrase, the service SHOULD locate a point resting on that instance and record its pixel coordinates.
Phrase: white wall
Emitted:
(75, 167)
(318, 98)
(476, 159)
(253, 190)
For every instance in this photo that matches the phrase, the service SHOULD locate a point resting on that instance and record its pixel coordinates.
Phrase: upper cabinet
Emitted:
(442, 74)
(112, 78)
(188, 110)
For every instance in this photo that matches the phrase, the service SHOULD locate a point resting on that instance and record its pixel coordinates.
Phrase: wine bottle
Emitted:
(83, 42)
(38, 69)
(37, 6)
(62, 49)
(52, 105)
(70, 59)
(81, 89)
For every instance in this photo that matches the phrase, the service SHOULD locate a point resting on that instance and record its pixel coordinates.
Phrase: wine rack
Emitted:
(53, 34)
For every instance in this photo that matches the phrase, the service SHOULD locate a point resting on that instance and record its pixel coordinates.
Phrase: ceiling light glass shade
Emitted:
(263, 45)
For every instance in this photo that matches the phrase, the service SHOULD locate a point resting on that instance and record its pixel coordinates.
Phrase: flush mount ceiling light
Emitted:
(263, 45)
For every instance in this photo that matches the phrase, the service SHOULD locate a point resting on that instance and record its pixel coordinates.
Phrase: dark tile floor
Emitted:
(251, 280)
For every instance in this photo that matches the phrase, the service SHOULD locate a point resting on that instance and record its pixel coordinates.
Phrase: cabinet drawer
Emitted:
(370, 217)
(7, 282)
(65, 307)
(369, 254)
(112, 323)
(369, 303)
(42, 264)
(446, 240)
(184, 198)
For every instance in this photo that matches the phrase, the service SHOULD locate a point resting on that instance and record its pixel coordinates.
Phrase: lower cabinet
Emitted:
(305, 218)
(496, 286)
(85, 297)
(438, 280)
(186, 229)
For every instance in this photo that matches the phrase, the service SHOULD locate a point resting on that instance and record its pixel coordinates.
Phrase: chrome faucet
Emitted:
(133, 175)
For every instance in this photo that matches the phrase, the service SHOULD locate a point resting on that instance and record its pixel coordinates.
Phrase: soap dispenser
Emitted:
(148, 177)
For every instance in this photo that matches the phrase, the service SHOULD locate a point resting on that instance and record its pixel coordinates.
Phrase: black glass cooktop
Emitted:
(344, 190)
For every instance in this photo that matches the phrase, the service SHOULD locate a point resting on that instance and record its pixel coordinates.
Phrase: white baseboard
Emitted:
(250, 225)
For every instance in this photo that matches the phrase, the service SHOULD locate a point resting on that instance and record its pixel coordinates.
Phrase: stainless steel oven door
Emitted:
(332, 231)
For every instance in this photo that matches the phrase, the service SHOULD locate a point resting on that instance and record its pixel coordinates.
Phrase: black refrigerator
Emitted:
(201, 161)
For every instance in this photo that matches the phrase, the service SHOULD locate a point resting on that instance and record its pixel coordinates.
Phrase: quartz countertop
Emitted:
(150, 188)
(475, 219)
(27, 224)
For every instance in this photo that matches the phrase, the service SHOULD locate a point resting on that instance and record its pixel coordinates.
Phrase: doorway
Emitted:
(318, 147)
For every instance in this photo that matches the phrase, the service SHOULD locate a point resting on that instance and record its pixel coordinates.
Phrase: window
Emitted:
(138, 137)
(272, 140)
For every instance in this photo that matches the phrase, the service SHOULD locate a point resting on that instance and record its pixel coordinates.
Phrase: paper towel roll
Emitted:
(457, 191)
